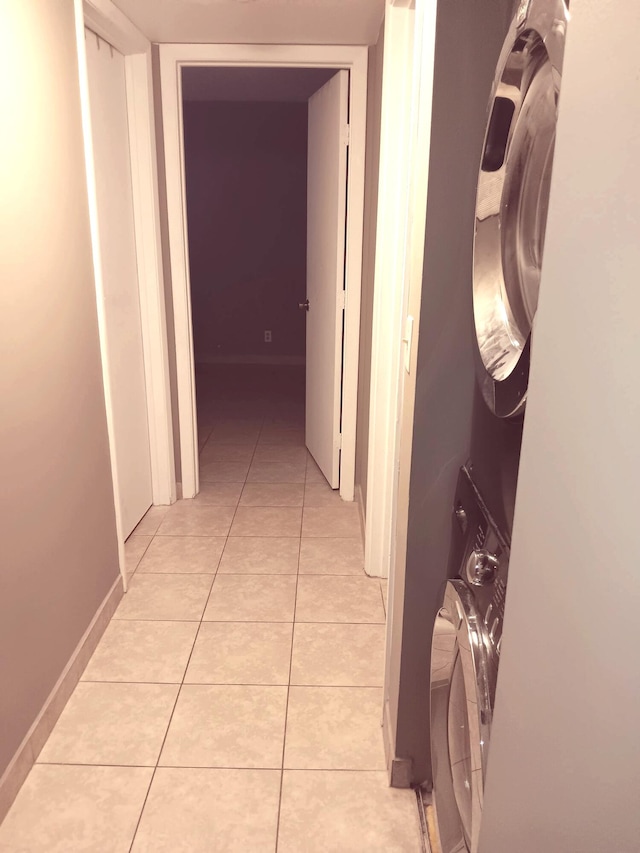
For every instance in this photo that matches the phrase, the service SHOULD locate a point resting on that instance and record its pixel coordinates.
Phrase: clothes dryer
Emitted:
(512, 200)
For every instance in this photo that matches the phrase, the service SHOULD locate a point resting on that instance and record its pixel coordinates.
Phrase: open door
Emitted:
(118, 263)
(326, 227)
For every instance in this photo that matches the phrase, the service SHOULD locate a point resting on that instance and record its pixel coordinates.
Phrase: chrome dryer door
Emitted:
(460, 719)
(512, 200)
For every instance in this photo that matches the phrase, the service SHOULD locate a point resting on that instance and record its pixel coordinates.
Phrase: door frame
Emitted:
(103, 18)
(348, 57)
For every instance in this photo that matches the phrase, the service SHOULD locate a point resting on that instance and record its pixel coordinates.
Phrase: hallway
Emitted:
(236, 696)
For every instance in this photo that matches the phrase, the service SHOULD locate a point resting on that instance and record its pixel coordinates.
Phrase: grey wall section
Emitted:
(59, 549)
(372, 160)
(469, 38)
(166, 256)
(246, 177)
(564, 768)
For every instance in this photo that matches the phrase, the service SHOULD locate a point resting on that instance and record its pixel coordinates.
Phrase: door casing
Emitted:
(172, 58)
(107, 21)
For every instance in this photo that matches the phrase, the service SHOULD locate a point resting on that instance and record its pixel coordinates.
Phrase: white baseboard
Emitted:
(30, 748)
(293, 360)
(360, 502)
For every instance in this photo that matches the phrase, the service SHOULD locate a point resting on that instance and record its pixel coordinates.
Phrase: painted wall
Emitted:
(469, 38)
(564, 768)
(57, 525)
(372, 158)
(246, 173)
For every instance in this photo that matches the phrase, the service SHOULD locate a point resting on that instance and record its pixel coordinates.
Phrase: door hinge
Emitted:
(339, 442)
(342, 300)
(346, 134)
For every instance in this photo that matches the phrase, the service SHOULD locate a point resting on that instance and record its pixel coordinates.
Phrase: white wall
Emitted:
(564, 769)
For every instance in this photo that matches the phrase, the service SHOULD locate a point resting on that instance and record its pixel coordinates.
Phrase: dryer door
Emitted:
(512, 200)
(460, 719)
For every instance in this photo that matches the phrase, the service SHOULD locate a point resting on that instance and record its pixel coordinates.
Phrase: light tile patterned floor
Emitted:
(234, 701)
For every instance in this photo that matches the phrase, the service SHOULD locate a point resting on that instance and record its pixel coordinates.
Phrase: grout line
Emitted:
(215, 767)
(293, 631)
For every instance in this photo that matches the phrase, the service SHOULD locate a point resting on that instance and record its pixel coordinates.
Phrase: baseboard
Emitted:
(36, 737)
(360, 502)
(293, 360)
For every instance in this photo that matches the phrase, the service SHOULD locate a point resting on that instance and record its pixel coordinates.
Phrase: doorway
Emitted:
(174, 61)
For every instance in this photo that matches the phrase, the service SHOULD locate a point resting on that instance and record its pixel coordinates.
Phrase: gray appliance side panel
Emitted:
(469, 37)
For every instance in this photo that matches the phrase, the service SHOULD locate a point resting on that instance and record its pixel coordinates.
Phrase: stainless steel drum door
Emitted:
(512, 200)
(462, 685)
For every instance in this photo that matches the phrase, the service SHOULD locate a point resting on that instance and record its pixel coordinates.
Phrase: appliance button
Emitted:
(482, 567)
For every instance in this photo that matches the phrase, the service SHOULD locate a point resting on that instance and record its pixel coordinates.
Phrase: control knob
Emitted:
(482, 567)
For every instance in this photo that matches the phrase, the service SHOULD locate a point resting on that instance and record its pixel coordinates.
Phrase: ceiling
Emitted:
(201, 83)
(257, 21)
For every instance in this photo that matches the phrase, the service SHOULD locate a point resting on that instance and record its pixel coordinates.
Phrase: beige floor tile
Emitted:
(218, 494)
(321, 494)
(75, 810)
(153, 652)
(207, 811)
(384, 589)
(324, 556)
(338, 655)
(334, 728)
(272, 494)
(111, 724)
(183, 555)
(223, 472)
(241, 653)
(266, 521)
(278, 435)
(314, 474)
(191, 519)
(226, 453)
(276, 472)
(226, 726)
(165, 597)
(338, 599)
(252, 598)
(150, 522)
(134, 549)
(280, 453)
(268, 555)
(335, 812)
(235, 434)
(332, 521)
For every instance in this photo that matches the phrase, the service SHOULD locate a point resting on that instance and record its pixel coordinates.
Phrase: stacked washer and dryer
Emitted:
(510, 219)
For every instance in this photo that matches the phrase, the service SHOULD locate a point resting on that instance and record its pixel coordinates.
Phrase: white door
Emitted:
(107, 96)
(326, 221)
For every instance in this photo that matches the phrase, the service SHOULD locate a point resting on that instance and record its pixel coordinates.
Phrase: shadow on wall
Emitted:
(246, 176)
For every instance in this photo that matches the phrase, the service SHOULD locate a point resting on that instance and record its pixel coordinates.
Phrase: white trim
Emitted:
(352, 58)
(108, 22)
(389, 284)
(97, 272)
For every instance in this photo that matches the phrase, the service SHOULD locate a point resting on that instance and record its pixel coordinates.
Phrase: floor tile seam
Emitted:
(286, 714)
(212, 767)
(384, 606)
(247, 621)
(173, 710)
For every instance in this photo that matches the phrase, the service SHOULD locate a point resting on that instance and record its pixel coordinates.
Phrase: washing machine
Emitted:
(465, 654)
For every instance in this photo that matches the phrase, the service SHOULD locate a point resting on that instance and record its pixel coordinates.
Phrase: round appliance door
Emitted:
(460, 719)
(512, 200)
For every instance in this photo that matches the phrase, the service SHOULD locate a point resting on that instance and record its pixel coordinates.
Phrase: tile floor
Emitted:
(234, 701)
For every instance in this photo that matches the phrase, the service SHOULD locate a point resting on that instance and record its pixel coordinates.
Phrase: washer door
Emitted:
(512, 200)
(461, 681)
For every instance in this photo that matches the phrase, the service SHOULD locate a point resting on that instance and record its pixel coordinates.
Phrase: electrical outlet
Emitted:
(267, 336)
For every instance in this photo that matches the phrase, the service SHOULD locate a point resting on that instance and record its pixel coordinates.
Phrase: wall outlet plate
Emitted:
(267, 336)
